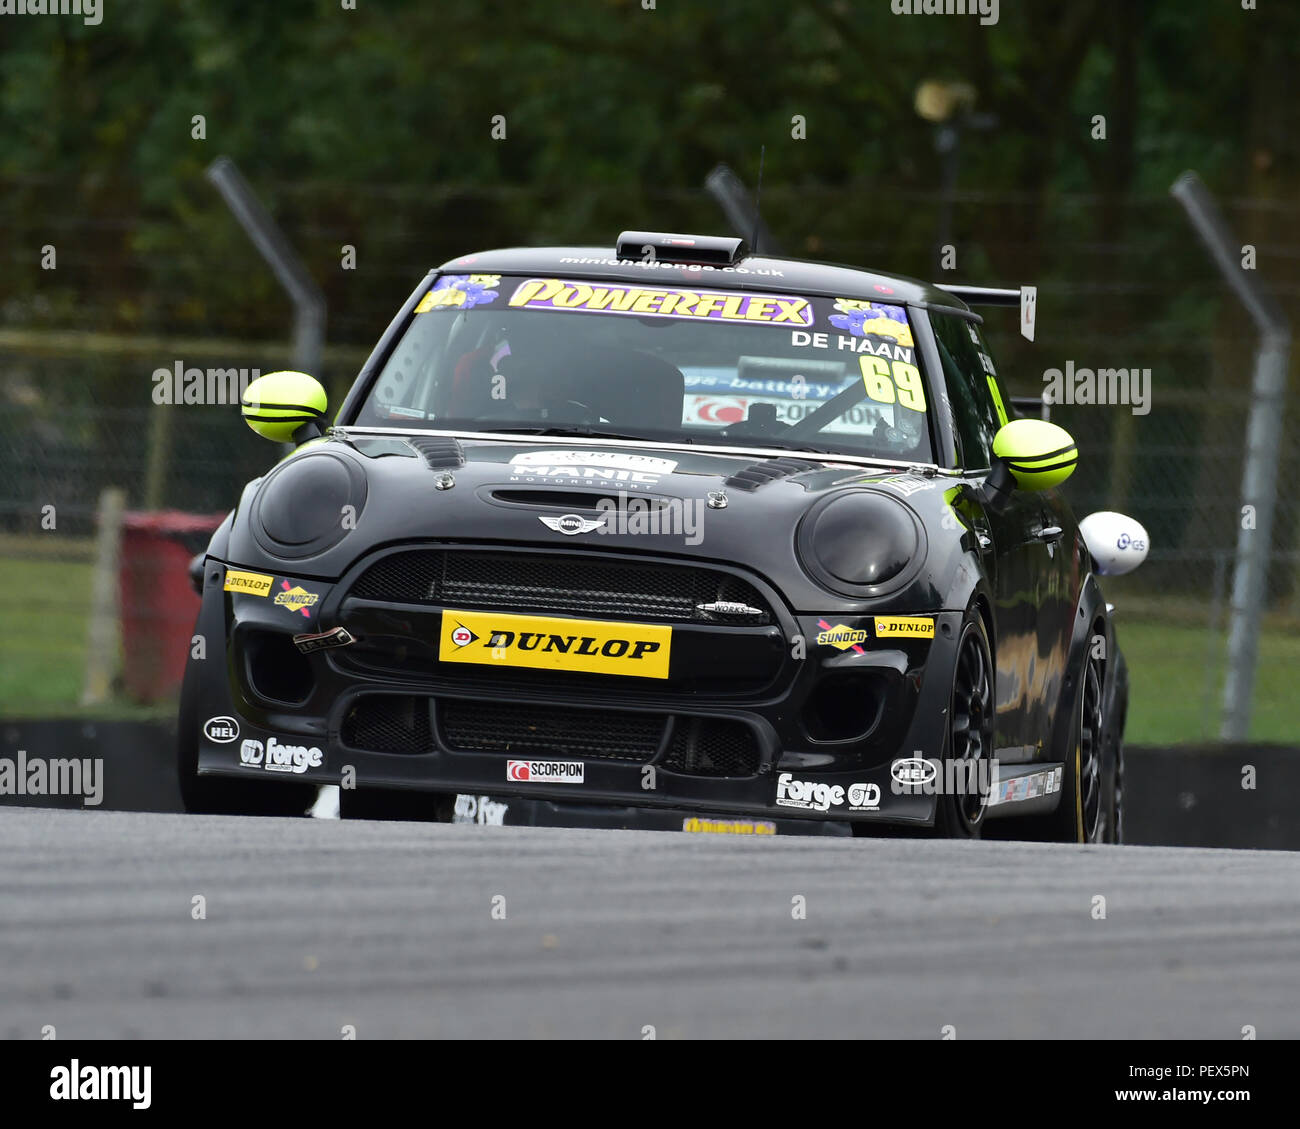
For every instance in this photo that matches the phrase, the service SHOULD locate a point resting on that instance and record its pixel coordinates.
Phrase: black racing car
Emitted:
(663, 535)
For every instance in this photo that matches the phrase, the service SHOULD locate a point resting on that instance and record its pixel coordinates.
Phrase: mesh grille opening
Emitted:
(507, 727)
(389, 723)
(545, 582)
(707, 746)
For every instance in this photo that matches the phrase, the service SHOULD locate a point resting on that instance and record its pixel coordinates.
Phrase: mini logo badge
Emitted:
(543, 772)
(221, 730)
(571, 524)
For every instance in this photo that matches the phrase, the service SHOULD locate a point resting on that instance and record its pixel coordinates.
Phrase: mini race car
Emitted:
(665, 535)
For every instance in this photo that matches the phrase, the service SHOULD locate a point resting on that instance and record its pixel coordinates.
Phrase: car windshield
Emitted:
(668, 362)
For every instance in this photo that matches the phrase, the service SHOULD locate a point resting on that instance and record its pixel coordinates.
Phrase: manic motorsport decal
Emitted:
(582, 468)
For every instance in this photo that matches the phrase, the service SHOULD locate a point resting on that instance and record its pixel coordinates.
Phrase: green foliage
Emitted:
(373, 127)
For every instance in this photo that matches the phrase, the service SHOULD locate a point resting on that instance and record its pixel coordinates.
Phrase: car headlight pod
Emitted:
(302, 508)
(861, 543)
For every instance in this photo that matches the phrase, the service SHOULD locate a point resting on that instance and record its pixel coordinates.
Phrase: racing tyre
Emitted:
(971, 713)
(1089, 811)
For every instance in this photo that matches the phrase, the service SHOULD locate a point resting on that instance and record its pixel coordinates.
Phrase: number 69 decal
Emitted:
(887, 384)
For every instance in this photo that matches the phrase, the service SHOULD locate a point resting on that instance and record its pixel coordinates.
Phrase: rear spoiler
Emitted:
(1026, 298)
(983, 295)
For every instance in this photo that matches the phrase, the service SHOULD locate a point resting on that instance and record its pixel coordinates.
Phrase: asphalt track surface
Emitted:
(313, 925)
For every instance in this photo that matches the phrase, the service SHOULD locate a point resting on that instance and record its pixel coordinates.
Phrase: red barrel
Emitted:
(158, 606)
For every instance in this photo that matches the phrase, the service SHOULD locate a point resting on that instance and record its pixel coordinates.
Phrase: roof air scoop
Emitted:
(664, 247)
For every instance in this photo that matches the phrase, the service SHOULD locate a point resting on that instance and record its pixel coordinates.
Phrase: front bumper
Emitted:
(761, 722)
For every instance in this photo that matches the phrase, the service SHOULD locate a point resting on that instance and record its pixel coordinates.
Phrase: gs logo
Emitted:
(1127, 542)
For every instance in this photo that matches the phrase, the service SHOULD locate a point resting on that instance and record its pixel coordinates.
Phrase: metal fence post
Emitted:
(272, 244)
(1263, 444)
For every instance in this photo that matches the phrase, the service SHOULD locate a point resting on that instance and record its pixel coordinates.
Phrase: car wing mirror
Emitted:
(1031, 455)
(285, 407)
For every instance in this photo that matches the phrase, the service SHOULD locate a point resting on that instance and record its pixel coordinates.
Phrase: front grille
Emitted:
(556, 583)
(388, 723)
(708, 746)
(507, 727)
(400, 723)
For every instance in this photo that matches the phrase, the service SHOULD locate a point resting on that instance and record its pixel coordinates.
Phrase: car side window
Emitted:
(977, 407)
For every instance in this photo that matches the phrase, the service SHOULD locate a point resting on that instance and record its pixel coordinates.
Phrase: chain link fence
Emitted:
(1122, 284)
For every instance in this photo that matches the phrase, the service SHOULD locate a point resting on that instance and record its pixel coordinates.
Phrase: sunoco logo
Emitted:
(544, 772)
(221, 730)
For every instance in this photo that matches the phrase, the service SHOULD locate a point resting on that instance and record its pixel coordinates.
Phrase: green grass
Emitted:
(1175, 700)
(45, 592)
(45, 598)
(44, 603)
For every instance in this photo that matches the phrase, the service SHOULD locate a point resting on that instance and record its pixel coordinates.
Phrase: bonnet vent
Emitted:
(759, 474)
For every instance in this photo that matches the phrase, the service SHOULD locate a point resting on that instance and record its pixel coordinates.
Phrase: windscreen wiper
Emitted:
(584, 432)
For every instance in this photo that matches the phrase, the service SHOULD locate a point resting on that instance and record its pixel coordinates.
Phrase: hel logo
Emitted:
(841, 637)
(898, 626)
(221, 730)
(249, 583)
(913, 772)
(295, 599)
(543, 643)
(543, 772)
